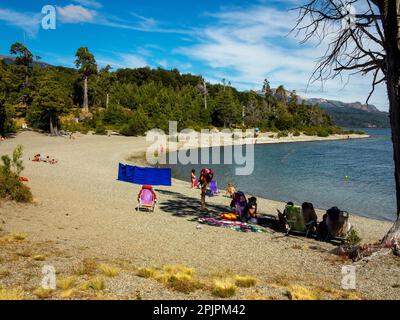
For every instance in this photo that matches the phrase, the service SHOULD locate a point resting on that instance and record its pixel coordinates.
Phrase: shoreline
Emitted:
(262, 139)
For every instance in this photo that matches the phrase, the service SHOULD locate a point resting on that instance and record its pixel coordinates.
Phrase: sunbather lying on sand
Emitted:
(39, 158)
(51, 161)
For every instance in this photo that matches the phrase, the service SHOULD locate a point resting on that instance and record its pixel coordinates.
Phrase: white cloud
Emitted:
(89, 3)
(122, 60)
(76, 14)
(247, 45)
(144, 22)
(29, 22)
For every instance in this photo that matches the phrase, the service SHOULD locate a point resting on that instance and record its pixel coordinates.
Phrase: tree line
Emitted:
(132, 101)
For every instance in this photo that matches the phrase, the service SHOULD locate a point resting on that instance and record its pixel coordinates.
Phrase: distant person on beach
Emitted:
(51, 161)
(206, 175)
(36, 158)
(193, 179)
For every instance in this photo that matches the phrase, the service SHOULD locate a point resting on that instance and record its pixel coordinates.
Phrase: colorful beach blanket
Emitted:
(145, 176)
(232, 225)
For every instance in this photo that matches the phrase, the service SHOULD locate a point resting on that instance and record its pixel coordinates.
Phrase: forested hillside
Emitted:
(131, 101)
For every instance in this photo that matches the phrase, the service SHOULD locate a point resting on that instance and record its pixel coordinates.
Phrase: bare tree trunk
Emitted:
(107, 100)
(51, 125)
(85, 95)
(391, 23)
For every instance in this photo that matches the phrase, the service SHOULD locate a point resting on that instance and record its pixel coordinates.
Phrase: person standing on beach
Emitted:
(193, 179)
(206, 175)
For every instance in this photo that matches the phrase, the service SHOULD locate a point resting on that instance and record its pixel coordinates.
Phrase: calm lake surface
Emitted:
(316, 172)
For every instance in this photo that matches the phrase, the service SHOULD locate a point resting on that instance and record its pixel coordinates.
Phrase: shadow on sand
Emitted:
(181, 205)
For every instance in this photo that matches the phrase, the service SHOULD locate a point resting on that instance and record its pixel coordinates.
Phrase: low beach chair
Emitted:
(338, 227)
(295, 221)
(147, 199)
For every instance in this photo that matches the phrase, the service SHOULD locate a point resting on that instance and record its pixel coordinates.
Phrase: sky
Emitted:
(243, 42)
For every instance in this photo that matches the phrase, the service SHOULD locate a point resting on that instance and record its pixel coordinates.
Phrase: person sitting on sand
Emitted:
(230, 191)
(310, 217)
(2, 138)
(250, 211)
(51, 161)
(36, 158)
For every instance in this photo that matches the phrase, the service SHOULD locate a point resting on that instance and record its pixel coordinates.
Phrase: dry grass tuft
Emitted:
(96, 283)
(182, 282)
(19, 236)
(42, 293)
(178, 269)
(224, 288)
(11, 294)
(88, 267)
(66, 283)
(175, 277)
(256, 296)
(68, 294)
(297, 292)
(109, 271)
(39, 257)
(147, 272)
(245, 281)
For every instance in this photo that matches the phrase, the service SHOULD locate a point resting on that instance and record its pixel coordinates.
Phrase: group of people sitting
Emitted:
(304, 219)
(294, 218)
(39, 158)
(245, 209)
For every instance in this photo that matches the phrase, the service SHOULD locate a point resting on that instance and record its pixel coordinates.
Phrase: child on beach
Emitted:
(194, 180)
(250, 211)
(230, 191)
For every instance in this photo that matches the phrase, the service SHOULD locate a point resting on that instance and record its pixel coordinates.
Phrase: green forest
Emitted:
(132, 101)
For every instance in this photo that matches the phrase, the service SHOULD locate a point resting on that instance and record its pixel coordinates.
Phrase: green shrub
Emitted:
(323, 133)
(283, 134)
(76, 127)
(296, 134)
(10, 185)
(137, 126)
(100, 129)
(353, 238)
(310, 132)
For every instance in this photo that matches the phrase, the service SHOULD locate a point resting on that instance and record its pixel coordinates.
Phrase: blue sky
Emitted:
(241, 41)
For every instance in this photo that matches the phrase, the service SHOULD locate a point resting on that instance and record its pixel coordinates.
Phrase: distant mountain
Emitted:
(9, 60)
(326, 104)
(355, 114)
(349, 115)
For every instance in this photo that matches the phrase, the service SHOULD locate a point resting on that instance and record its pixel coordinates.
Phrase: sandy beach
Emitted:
(82, 212)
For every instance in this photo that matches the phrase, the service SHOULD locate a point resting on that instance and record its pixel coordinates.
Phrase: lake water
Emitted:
(316, 172)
